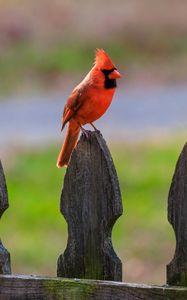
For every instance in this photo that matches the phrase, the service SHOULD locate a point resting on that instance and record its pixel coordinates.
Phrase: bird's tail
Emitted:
(69, 144)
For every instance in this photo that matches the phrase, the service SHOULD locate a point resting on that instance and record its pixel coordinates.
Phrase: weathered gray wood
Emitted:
(3, 192)
(91, 203)
(4, 254)
(43, 288)
(177, 216)
(4, 260)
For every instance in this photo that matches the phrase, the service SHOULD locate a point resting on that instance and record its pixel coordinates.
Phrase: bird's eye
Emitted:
(104, 71)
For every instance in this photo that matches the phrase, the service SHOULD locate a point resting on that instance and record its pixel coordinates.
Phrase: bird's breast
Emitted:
(95, 104)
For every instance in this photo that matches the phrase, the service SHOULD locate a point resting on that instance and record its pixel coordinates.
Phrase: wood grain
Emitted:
(177, 216)
(43, 288)
(91, 204)
(4, 254)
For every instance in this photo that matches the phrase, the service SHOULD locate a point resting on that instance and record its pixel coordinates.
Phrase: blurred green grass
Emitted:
(35, 232)
(24, 63)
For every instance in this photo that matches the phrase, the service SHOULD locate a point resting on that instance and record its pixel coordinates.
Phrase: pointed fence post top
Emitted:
(91, 203)
(177, 216)
(91, 162)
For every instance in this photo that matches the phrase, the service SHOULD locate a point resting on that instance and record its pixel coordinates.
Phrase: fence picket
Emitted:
(4, 254)
(177, 216)
(91, 203)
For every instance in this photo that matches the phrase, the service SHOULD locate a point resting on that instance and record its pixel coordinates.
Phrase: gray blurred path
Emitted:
(133, 114)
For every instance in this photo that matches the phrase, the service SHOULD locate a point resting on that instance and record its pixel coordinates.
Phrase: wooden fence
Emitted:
(91, 203)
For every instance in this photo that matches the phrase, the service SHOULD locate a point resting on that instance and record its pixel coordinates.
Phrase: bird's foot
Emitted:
(98, 131)
(95, 129)
(85, 132)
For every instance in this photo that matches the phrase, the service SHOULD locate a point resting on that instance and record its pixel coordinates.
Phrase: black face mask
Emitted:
(109, 83)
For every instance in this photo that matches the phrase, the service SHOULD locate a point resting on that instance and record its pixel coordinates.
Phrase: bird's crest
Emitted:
(102, 60)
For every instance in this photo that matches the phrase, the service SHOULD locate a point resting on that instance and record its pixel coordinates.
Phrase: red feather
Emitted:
(87, 103)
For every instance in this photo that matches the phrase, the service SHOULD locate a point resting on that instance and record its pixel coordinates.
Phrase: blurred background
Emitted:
(46, 48)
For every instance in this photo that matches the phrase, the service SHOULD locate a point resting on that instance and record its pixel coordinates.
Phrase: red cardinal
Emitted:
(88, 102)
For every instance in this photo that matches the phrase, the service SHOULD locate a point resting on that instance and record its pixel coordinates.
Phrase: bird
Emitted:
(88, 102)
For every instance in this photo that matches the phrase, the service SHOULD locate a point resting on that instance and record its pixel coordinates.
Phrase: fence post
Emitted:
(4, 254)
(177, 216)
(90, 203)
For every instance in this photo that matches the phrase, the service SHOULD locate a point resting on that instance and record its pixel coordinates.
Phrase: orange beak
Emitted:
(115, 74)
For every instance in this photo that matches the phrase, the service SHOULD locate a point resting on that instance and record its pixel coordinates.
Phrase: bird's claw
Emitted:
(86, 133)
(98, 131)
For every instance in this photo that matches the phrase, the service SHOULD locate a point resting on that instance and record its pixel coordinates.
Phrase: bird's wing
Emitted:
(73, 104)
